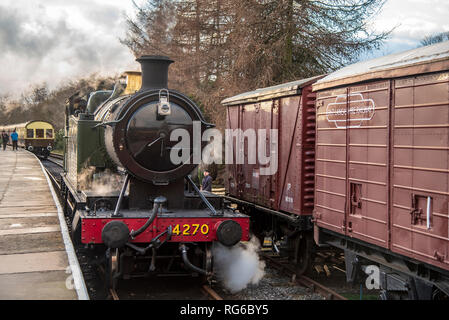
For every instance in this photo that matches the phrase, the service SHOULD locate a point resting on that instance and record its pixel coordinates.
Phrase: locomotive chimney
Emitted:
(154, 72)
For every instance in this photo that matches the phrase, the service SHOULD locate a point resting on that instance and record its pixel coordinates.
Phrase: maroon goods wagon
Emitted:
(281, 196)
(382, 169)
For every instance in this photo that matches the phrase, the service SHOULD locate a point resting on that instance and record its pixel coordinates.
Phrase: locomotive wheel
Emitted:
(207, 262)
(112, 268)
(208, 258)
(301, 258)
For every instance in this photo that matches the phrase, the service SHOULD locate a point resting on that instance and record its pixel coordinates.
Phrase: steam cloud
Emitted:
(104, 182)
(238, 266)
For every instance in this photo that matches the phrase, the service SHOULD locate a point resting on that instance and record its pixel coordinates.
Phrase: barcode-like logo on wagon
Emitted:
(359, 110)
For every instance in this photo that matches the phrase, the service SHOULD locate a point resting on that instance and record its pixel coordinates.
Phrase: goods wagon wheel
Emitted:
(301, 257)
(439, 295)
(393, 295)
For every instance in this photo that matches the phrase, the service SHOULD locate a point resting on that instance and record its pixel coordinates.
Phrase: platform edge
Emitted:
(78, 278)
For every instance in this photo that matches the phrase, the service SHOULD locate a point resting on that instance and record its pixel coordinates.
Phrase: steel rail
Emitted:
(302, 280)
(56, 156)
(52, 178)
(56, 161)
(114, 294)
(211, 292)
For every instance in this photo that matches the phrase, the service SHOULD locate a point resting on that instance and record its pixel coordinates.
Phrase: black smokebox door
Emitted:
(148, 135)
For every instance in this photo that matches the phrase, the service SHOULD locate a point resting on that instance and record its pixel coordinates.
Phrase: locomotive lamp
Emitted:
(163, 107)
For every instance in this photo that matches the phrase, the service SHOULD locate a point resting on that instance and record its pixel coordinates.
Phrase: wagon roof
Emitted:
(426, 59)
(281, 90)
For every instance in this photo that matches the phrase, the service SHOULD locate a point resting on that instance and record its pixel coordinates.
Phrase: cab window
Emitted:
(30, 133)
(39, 133)
(49, 133)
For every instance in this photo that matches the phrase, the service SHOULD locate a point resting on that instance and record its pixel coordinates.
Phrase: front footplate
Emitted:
(185, 227)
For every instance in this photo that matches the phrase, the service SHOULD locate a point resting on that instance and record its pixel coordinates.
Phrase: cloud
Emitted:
(413, 20)
(54, 41)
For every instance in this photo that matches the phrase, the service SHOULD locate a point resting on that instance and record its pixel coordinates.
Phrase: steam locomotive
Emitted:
(124, 197)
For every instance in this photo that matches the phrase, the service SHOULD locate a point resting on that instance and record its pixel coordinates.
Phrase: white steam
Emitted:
(99, 182)
(238, 266)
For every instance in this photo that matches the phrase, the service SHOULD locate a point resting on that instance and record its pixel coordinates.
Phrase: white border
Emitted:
(78, 279)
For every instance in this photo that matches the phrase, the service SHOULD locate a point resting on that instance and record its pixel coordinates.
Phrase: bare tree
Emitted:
(150, 32)
(40, 103)
(436, 38)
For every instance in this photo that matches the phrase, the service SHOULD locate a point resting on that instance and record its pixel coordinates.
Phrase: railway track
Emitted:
(53, 169)
(57, 156)
(53, 164)
(205, 289)
(302, 280)
(56, 159)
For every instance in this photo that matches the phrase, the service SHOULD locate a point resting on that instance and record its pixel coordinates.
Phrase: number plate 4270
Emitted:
(190, 229)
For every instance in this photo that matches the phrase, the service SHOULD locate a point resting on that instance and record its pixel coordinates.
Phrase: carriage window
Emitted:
(49, 133)
(39, 133)
(30, 133)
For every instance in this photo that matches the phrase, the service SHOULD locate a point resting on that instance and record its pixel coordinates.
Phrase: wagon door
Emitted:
(274, 178)
(233, 115)
(330, 162)
(368, 162)
(261, 184)
(420, 194)
(290, 149)
(249, 140)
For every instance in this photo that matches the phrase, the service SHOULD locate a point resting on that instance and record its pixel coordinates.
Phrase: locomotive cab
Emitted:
(125, 194)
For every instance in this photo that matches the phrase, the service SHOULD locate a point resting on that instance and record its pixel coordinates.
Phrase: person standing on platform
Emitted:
(14, 139)
(5, 139)
(207, 182)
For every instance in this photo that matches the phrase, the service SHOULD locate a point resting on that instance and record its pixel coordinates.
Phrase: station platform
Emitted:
(37, 259)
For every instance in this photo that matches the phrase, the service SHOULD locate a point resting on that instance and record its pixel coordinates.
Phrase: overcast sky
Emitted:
(56, 40)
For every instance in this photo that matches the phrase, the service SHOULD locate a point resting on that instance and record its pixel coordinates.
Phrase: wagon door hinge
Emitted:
(439, 256)
(316, 216)
(355, 197)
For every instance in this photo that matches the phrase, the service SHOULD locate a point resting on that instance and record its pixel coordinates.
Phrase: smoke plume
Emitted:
(238, 266)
